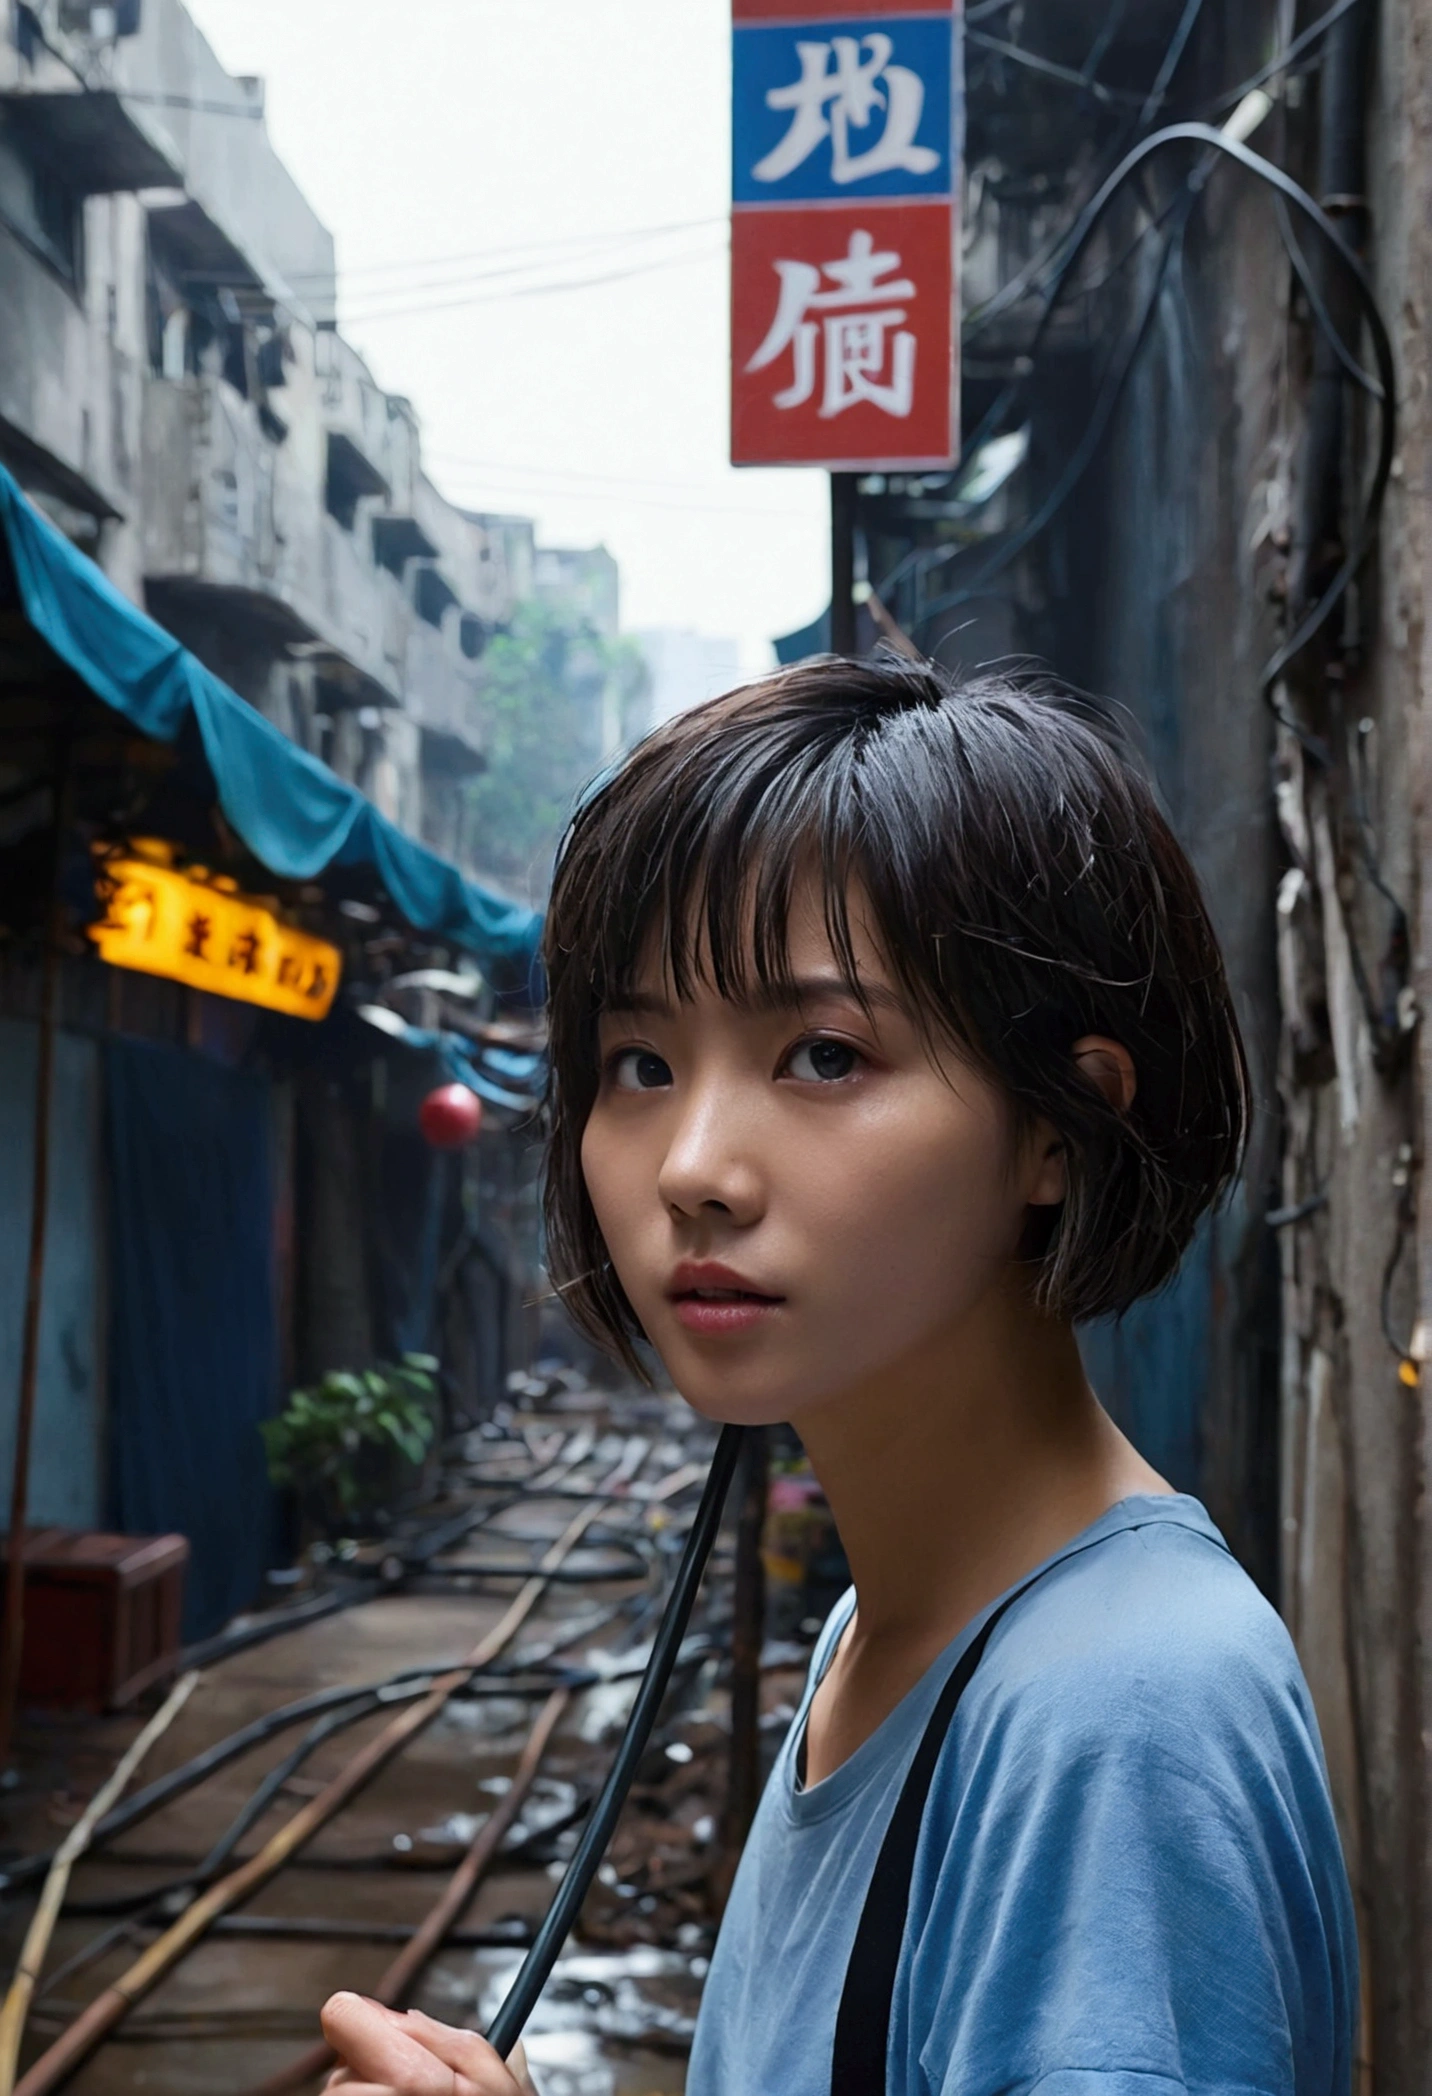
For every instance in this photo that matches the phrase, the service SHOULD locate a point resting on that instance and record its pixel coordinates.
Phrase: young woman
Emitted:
(890, 1039)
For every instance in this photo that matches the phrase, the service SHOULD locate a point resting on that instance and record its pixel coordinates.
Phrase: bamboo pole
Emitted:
(52, 1897)
(13, 1644)
(55, 2066)
(411, 1960)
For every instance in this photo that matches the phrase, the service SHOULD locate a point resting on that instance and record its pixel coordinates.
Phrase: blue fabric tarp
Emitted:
(194, 1349)
(294, 814)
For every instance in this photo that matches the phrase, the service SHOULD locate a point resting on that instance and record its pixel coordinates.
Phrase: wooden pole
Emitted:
(12, 1645)
(397, 1981)
(743, 1772)
(42, 1924)
(842, 563)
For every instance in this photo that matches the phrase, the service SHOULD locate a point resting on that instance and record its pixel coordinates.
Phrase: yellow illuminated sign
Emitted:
(205, 934)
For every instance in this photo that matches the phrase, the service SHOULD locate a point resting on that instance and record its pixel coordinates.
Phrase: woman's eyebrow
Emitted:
(638, 1004)
(831, 989)
(802, 990)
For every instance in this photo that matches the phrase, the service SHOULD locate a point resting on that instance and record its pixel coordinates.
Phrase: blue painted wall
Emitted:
(65, 1463)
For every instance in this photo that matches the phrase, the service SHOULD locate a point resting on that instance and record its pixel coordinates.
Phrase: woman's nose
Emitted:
(709, 1167)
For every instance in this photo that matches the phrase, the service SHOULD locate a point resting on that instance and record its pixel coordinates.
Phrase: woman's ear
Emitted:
(1109, 1067)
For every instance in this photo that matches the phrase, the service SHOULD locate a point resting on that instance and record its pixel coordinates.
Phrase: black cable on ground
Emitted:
(26, 1869)
(508, 2024)
(275, 1623)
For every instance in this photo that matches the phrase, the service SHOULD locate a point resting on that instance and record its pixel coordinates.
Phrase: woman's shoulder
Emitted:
(1149, 1638)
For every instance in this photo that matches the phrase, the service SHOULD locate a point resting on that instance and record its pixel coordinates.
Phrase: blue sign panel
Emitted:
(832, 111)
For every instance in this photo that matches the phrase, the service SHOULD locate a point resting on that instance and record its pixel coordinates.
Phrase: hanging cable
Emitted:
(1318, 308)
(1219, 142)
(1158, 93)
(507, 2026)
(1286, 60)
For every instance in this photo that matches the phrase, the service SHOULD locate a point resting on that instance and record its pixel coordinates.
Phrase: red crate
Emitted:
(102, 1616)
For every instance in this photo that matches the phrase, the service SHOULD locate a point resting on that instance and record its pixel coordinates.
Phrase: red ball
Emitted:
(450, 1117)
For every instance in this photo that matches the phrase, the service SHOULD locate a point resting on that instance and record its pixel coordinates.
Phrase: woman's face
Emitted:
(798, 1197)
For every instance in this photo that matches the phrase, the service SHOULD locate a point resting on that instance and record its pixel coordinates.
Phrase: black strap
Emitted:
(862, 2024)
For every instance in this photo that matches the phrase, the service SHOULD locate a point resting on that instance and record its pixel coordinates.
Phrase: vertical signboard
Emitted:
(846, 138)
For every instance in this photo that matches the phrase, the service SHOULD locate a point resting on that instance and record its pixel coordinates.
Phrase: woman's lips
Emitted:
(715, 1301)
(723, 1313)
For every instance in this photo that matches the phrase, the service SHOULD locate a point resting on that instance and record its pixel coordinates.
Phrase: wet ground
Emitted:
(617, 2018)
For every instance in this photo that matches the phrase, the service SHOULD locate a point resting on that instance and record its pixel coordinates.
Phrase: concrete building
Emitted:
(585, 577)
(174, 392)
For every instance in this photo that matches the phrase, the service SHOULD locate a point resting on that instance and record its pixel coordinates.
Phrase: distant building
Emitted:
(585, 578)
(175, 394)
(685, 668)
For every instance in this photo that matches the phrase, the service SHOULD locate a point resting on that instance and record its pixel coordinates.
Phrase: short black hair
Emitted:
(1025, 890)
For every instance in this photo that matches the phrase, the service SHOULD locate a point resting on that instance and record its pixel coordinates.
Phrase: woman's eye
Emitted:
(823, 1062)
(638, 1070)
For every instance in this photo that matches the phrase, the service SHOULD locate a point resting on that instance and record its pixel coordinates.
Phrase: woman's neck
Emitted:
(966, 1466)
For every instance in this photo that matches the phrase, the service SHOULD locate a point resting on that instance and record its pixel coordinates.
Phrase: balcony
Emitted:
(237, 531)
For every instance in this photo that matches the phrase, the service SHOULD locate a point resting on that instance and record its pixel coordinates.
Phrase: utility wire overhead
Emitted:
(687, 484)
(486, 298)
(615, 236)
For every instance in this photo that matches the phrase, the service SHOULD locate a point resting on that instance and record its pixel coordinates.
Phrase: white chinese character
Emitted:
(836, 74)
(859, 345)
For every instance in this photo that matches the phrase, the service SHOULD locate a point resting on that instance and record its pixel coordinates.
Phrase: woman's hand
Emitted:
(386, 2052)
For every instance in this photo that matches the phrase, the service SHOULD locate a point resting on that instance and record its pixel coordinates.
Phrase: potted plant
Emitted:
(346, 1444)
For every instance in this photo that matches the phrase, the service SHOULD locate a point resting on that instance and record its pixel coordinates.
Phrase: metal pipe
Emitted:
(1342, 173)
(843, 503)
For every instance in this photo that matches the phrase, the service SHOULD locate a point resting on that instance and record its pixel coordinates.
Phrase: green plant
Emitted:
(340, 1443)
(552, 687)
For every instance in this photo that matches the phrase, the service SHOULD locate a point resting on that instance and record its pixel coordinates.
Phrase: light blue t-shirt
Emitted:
(1128, 1880)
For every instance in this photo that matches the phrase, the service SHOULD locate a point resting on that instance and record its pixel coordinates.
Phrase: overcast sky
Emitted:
(469, 156)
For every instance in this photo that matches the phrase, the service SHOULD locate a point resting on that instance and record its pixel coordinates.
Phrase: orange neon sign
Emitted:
(204, 933)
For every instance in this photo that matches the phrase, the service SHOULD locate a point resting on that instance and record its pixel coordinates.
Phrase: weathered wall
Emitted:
(1185, 631)
(1358, 1264)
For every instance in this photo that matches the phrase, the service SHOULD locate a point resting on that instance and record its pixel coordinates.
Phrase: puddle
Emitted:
(549, 1803)
(601, 2010)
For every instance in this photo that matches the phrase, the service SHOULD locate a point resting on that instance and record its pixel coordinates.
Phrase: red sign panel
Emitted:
(844, 293)
(842, 336)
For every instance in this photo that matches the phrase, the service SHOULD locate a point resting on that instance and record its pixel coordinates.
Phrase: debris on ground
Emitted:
(595, 1486)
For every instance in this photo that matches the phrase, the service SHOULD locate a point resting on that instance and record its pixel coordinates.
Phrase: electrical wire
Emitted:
(540, 250)
(508, 2024)
(1050, 68)
(1318, 307)
(1110, 393)
(1163, 79)
(1294, 193)
(1286, 60)
(591, 283)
